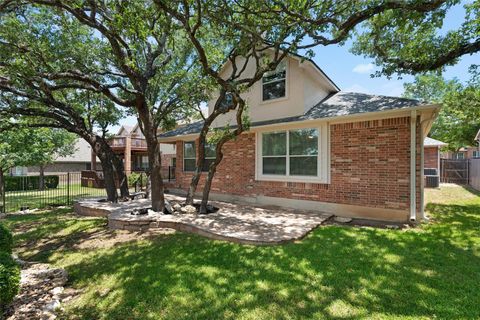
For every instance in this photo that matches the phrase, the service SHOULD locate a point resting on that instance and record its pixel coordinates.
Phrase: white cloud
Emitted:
(357, 88)
(363, 68)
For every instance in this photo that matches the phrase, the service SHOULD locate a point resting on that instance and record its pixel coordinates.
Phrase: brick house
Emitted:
(312, 146)
(130, 145)
(432, 153)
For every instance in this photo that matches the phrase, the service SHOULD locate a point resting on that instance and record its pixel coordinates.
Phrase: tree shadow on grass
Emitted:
(334, 273)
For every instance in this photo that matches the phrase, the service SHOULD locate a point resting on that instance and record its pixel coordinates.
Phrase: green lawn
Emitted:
(431, 272)
(14, 200)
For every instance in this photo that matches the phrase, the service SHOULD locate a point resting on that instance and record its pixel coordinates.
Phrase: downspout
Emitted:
(422, 165)
(413, 155)
(422, 171)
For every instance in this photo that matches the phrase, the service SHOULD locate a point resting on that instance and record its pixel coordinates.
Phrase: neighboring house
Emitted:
(431, 156)
(462, 153)
(78, 161)
(311, 146)
(129, 143)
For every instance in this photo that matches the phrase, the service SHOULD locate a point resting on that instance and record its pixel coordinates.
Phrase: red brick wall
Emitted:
(365, 169)
(430, 157)
(167, 159)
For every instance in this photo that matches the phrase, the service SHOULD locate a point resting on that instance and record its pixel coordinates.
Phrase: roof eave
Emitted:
(343, 118)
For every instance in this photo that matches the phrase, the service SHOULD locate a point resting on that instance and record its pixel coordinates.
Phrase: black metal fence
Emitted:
(25, 192)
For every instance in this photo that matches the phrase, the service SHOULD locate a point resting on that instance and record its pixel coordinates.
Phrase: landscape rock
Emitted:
(168, 207)
(41, 290)
(188, 209)
(177, 206)
(342, 219)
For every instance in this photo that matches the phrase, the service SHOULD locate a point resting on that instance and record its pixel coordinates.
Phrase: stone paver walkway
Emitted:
(248, 224)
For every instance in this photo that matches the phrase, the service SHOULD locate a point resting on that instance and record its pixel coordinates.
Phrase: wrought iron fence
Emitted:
(25, 192)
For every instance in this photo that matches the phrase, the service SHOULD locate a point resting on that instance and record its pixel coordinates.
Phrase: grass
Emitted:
(430, 272)
(14, 200)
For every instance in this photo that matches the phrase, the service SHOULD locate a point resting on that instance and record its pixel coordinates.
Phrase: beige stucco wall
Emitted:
(304, 89)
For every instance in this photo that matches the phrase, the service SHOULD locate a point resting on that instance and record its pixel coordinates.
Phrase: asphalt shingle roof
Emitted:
(335, 105)
(430, 142)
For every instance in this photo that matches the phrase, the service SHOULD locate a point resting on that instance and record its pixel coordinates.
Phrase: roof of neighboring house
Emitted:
(128, 129)
(430, 142)
(477, 137)
(335, 105)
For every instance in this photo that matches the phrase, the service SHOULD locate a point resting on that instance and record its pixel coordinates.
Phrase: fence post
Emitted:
(68, 188)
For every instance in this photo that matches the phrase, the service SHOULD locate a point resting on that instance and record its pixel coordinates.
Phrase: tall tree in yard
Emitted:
(458, 121)
(128, 54)
(260, 34)
(31, 57)
(146, 67)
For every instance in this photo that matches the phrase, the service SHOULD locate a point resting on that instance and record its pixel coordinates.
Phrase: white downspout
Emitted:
(413, 155)
(422, 173)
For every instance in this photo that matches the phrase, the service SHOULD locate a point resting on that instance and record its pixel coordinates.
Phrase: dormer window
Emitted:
(274, 83)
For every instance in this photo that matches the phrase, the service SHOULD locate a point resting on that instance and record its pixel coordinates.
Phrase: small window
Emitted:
(210, 156)
(189, 156)
(274, 83)
(459, 156)
(476, 154)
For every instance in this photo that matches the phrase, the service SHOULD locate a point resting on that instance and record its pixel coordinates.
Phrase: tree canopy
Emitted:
(458, 121)
(405, 43)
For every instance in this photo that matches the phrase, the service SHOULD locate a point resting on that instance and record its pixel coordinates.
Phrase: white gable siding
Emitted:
(303, 91)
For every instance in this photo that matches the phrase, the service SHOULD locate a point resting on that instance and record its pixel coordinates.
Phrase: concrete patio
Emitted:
(241, 223)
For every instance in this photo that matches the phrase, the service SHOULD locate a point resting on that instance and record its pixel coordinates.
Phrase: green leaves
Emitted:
(23, 145)
(457, 122)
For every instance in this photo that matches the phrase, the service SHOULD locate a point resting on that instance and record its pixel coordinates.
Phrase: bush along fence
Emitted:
(25, 192)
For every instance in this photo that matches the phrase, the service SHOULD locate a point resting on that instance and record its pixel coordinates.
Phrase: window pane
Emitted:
(304, 142)
(206, 164)
(274, 90)
(277, 74)
(188, 164)
(303, 166)
(274, 76)
(275, 165)
(189, 150)
(210, 150)
(274, 144)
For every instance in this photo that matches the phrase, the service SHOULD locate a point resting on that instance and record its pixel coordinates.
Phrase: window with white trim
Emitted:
(189, 156)
(476, 154)
(459, 156)
(274, 83)
(293, 155)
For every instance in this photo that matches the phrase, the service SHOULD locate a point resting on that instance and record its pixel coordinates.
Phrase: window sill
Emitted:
(300, 179)
(274, 100)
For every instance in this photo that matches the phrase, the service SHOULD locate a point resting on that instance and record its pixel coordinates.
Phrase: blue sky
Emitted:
(352, 73)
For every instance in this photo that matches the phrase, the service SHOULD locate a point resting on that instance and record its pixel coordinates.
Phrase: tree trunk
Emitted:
(198, 170)
(149, 129)
(108, 176)
(156, 179)
(122, 177)
(208, 182)
(41, 178)
(2, 191)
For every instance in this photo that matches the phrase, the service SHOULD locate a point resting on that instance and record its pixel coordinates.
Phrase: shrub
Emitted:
(25, 183)
(134, 177)
(6, 239)
(9, 280)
